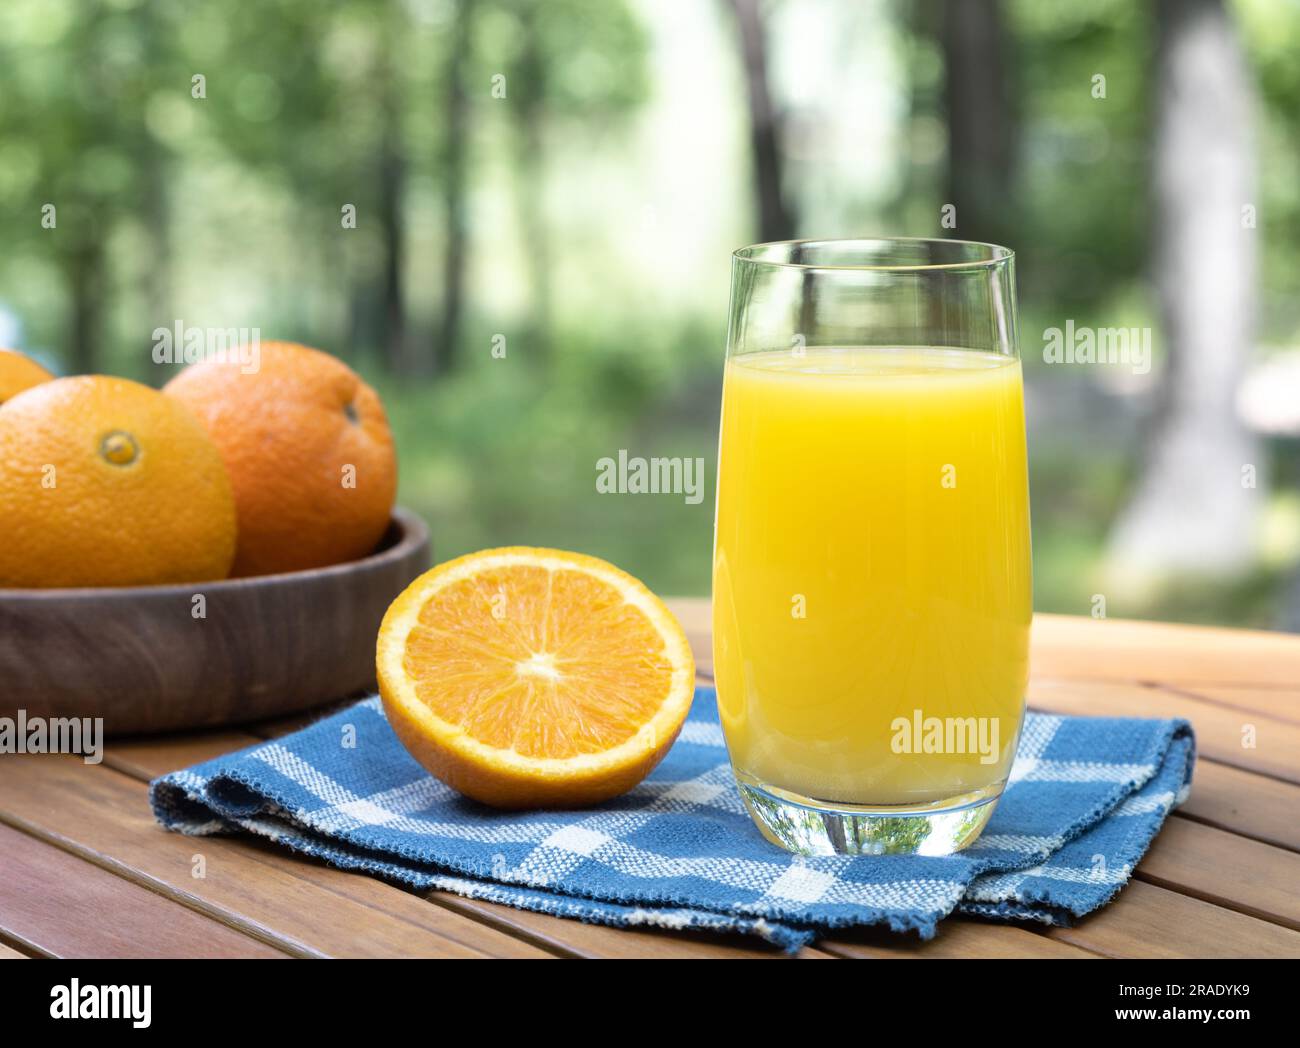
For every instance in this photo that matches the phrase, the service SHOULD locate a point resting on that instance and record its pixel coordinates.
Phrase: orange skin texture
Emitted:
(286, 432)
(18, 372)
(139, 495)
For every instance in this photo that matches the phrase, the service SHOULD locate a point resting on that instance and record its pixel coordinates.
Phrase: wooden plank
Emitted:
(1219, 730)
(150, 756)
(1245, 803)
(1281, 703)
(277, 726)
(104, 817)
(1146, 920)
(597, 941)
(1225, 869)
(957, 937)
(1119, 649)
(696, 616)
(67, 907)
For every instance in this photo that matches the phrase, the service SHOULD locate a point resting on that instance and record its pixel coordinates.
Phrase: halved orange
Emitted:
(530, 678)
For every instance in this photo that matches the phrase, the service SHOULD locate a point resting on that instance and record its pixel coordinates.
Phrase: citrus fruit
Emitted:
(18, 372)
(308, 450)
(530, 678)
(105, 482)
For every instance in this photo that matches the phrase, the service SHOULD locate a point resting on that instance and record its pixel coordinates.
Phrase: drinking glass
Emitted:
(871, 569)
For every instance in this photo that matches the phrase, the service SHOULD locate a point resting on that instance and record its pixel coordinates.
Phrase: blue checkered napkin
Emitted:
(1086, 797)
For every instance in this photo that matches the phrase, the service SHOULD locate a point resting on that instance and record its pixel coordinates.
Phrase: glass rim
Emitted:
(998, 255)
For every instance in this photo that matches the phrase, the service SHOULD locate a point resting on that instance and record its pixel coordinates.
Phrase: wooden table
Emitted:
(85, 871)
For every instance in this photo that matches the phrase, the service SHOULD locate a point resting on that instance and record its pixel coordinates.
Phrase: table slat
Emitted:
(1219, 730)
(67, 907)
(1244, 803)
(147, 757)
(1281, 703)
(696, 617)
(957, 937)
(1145, 920)
(301, 908)
(1226, 870)
(599, 941)
(1129, 650)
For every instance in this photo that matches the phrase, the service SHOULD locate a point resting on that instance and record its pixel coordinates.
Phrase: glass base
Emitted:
(811, 827)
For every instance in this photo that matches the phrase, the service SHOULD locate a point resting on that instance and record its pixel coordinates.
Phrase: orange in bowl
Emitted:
(308, 450)
(106, 482)
(19, 372)
(529, 678)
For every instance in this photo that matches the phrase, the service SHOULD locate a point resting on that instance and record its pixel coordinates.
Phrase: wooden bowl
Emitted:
(140, 657)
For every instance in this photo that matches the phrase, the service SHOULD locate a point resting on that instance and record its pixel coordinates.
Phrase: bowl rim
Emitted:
(413, 533)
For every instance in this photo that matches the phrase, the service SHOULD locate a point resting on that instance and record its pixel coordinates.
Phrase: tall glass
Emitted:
(871, 569)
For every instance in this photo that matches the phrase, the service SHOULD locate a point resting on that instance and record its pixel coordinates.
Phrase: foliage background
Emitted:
(588, 216)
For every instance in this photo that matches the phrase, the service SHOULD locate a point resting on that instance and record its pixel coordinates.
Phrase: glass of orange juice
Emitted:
(871, 570)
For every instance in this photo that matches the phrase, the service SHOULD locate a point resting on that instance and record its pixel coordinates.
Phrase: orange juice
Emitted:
(871, 584)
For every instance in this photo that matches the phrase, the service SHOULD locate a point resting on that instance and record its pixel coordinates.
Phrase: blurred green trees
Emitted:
(545, 192)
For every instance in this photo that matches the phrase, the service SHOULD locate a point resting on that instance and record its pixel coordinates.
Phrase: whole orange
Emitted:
(308, 450)
(18, 372)
(105, 482)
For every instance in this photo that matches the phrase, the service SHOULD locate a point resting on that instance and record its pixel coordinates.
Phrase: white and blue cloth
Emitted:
(1086, 797)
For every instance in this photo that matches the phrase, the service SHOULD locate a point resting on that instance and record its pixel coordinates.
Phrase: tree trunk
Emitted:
(1288, 618)
(1193, 509)
(453, 268)
(529, 90)
(157, 222)
(392, 176)
(155, 167)
(980, 124)
(775, 221)
(394, 309)
(86, 285)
